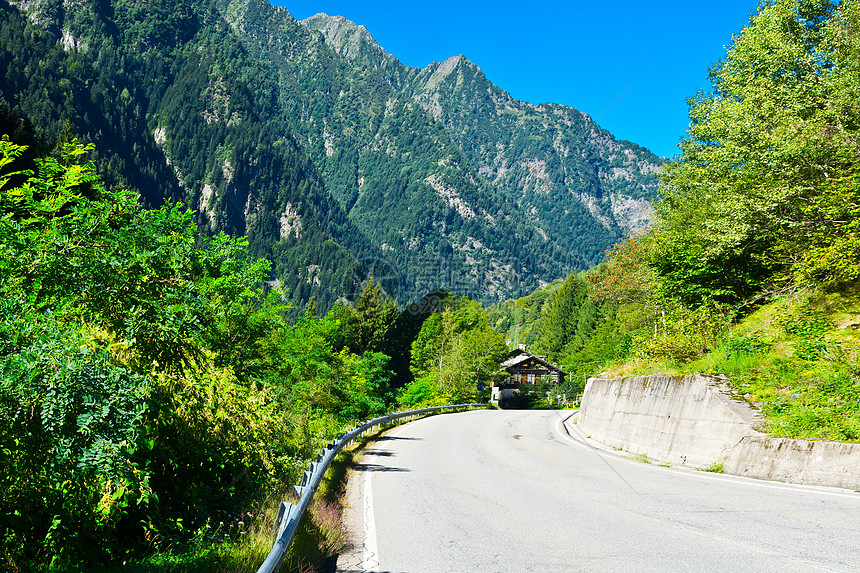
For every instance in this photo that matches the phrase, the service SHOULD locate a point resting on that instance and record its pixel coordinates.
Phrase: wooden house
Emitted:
(526, 368)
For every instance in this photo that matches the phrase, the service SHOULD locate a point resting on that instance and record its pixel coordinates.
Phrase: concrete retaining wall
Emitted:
(694, 421)
(796, 461)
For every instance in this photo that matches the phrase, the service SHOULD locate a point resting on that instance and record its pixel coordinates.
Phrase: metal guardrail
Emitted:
(289, 515)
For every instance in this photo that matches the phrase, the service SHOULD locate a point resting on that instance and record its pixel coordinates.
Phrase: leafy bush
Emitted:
(71, 420)
(147, 382)
(682, 335)
(809, 326)
(750, 344)
(420, 393)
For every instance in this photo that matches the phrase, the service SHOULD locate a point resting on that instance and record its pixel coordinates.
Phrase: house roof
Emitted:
(518, 357)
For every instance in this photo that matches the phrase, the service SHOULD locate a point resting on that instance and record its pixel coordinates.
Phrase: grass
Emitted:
(794, 359)
(321, 536)
(243, 544)
(802, 370)
(716, 467)
(242, 551)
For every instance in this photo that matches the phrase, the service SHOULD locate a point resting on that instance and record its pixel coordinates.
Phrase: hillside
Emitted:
(581, 185)
(751, 268)
(333, 158)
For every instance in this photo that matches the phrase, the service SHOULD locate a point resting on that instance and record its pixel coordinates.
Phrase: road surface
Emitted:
(521, 491)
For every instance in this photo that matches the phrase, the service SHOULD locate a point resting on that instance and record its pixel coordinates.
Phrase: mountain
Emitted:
(555, 161)
(335, 159)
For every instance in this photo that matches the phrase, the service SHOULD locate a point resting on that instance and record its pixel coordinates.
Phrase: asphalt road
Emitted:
(515, 491)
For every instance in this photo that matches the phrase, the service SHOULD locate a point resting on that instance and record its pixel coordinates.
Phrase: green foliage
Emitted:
(681, 334)
(455, 355)
(568, 320)
(716, 467)
(765, 190)
(808, 326)
(803, 399)
(241, 313)
(422, 392)
(750, 344)
(146, 378)
(404, 332)
(84, 253)
(323, 389)
(806, 322)
(72, 413)
(375, 314)
(70, 418)
(521, 317)
(320, 160)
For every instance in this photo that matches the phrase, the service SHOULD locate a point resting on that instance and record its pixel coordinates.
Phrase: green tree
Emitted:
(768, 168)
(147, 377)
(74, 392)
(567, 321)
(375, 314)
(455, 354)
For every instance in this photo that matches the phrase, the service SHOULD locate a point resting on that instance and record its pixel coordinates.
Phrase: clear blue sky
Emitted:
(630, 65)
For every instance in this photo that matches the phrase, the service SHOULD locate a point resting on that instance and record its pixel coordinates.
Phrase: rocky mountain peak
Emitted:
(345, 36)
(355, 43)
(286, 131)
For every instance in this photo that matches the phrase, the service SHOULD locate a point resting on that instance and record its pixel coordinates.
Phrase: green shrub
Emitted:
(750, 344)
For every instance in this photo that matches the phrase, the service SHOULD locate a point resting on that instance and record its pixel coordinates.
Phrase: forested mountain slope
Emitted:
(178, 110)
(334, 159)
(581, 185)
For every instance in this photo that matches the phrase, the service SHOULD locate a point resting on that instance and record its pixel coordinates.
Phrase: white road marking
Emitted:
(371, 560)
(371, 551)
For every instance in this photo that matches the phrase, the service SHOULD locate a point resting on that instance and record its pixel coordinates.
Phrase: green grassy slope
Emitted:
(794, 359)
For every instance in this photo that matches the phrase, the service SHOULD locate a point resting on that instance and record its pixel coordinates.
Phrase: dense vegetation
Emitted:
(765, 194)
(154, 380)
(161, 93)
(455, 356)
(328, 167)
(151, 388)
(551, 161)
(752, 266)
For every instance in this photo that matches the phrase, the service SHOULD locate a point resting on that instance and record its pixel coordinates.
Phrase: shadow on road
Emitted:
(377, 468)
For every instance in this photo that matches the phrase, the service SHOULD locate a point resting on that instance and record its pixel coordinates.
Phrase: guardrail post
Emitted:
(282, 519)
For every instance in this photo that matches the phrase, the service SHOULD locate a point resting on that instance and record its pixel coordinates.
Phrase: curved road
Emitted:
(517, 491)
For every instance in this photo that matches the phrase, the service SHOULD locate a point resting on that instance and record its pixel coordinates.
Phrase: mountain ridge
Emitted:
(331, 155)
(630, 213)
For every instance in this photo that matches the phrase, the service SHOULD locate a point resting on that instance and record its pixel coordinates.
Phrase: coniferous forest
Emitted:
(333, 167)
